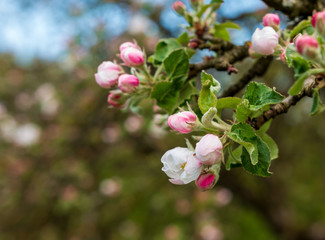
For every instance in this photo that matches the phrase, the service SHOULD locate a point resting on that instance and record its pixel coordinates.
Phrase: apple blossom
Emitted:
(183, 122)
(127, 83)
(271, 20)
(181, 165)
(206, 181)
(132, 57)
(307, 46)
(265, 41)
(128, 45)
(318, 22)
(107, 74)
(209, 149)
(116, 99)
(179, 7)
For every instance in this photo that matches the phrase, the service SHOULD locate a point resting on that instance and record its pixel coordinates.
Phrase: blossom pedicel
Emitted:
(318, 22)
(132, 57)
(271, 20)
(127, 83)
(265, 41)
(206, 181)
(183, 122)
(107, 74)
(209, 149)
(307, 46)
(181, 165)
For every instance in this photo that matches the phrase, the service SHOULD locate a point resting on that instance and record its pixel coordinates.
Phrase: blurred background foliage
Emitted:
(71, 168)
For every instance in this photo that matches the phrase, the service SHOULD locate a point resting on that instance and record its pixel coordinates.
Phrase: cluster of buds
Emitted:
(201, 164)
(111, 75)
(265, 40)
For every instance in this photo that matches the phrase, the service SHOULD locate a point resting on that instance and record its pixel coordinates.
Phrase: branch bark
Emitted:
(258, 69)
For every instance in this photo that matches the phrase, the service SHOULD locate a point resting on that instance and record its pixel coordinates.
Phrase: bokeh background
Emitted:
(71, 168)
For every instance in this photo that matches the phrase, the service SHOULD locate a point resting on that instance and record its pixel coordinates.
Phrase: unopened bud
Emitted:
(307, 46)
(265, 41)
(179, 7)
(128, 45)
(206, 181)
(193, 43)
(107, 74)
(116, 99)
(132, 57)
(272, 20)
(318, 22)
(209, 149)
(183, 122)
(127, 83)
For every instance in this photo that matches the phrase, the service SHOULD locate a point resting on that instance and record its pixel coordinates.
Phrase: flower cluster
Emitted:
(202, 164)
(111, 75)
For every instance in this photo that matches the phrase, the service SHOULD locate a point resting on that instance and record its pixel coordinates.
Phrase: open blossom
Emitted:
(271, 20)
(265, 41)
(181, 165)
(107, 74)
(132, 57)
(209, 149)
(128, 45)
(206, 181)
(318, 22)
(127, 83)
(183, 122)
(116, 99)
(307, 46)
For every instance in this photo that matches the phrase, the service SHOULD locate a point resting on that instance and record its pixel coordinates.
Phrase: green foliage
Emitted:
(210, 87)
(317, 106)
(183, 39)
(164, 48)
(298, 85)
(176, 65)
(220, 30)
(303, 25)
(166, 95)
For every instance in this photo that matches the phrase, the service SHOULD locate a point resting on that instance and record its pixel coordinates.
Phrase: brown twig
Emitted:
(258, 69)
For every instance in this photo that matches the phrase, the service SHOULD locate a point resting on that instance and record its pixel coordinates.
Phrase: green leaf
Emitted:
(234, 159)
(207, 98)
(219, 31)
(298, 85)
(265, 127)
(260, 95)
(317, 106)
(264, 160)
(186, 93)
(228, 102)
(166, 95)
(299, 64)
(164, 48)
(244, 134)
(242, 111)
(183, 39)
(299, 28)
(271, 144)
(215, 5)
(229, 25)
(176, 65)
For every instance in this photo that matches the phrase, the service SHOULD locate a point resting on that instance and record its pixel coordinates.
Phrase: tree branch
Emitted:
(284, 106)
(237, 53)
(258, 69)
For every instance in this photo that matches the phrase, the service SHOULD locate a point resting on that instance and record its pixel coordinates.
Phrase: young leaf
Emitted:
(244, 134)
(317, 106)
(299, 28)
(166, 95)
(271, 144)
(176, 65)
(234, 159)
(207, 98)
(220, 32)
(164, 48)
(264, 160)
(242, 111)
(187, 91)
(229, 25)
(183, 39)
(260, 95)
(228, 102)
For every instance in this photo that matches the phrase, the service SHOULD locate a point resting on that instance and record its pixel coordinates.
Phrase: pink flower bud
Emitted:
(271, 20)
(209, 149)
(107, 74)
(116, 99)
(132, 57)
(206, 181)
(318, 22)
(265, 41)
(307, 46)
(127, 83)
(179, 7)
(128, 45)
(184, 122)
